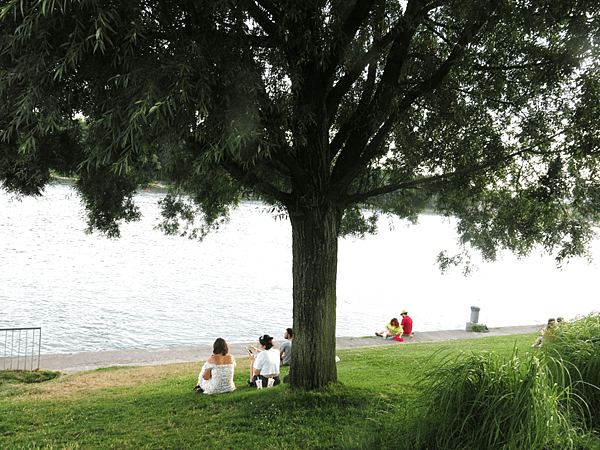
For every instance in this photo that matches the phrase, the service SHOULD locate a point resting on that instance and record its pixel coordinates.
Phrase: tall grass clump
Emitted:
(489, 402)
(577, 345)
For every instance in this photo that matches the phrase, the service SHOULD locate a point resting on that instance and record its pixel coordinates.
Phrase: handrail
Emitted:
(19, 347)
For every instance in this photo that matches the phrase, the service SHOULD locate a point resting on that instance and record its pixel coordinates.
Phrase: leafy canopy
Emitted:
(485, 109)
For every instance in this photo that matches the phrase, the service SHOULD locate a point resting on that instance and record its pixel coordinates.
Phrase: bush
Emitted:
(478, 328)
(577, 345)
(485, 401)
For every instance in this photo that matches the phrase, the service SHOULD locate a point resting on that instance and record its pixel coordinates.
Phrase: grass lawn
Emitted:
(155, 407)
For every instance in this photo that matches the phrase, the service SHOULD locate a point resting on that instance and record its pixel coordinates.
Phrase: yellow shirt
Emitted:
(394, 330)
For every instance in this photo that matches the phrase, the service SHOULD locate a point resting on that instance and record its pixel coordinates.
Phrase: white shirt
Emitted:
(267, 362)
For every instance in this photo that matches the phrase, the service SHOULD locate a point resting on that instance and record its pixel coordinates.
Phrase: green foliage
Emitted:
(203, 191)
(353, 110)
(493, 402)
(577, 345)
(463, 259)
(108, 197)
(25, 172)
(354, 223)
(478, 328)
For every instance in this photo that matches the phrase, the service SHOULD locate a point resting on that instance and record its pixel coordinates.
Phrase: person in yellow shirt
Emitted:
(393, 328)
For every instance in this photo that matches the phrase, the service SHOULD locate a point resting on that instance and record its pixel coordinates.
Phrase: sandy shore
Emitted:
(78, 362)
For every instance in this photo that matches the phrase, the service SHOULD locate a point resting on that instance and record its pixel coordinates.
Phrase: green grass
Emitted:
(380, 399)
(26, 376)
(489, 401)
(576, 345)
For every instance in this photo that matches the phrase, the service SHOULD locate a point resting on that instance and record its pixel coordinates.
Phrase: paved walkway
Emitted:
(78, 362)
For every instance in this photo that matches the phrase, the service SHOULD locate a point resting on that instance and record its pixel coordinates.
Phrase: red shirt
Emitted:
(406, 325)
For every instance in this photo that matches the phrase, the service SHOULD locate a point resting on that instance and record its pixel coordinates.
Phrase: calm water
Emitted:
(147, 290)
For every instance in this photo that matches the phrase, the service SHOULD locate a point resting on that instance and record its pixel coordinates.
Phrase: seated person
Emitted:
(285, 351)
(393, 328)
(406, 324)
(547, 332)
(216, 376)
(265, 363)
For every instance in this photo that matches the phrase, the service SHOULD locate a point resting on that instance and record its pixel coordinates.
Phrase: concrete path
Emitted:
(78, 362)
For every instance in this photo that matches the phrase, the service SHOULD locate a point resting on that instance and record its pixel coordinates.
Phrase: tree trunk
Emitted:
(315, 251)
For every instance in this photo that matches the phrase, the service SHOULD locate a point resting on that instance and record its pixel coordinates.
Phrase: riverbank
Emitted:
(78, 362)
(380, 398)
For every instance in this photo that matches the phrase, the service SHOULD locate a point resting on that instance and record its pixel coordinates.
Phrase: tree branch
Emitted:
(419, 183)
(355, 19)
(507, 68)
(268, 6)
(257, 11)
(399, 37)
(253, 181)
(345, 83)
(359, 153)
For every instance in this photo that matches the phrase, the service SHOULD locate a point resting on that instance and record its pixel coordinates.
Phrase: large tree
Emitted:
(485, 109)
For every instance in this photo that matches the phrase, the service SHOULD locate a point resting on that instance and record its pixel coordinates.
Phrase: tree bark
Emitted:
(315, 252)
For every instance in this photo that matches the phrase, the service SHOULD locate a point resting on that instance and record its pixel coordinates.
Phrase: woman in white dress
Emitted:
(216, 376)
(265, 364)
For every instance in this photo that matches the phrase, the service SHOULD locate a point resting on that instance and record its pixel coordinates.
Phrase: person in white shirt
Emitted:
(265, 363)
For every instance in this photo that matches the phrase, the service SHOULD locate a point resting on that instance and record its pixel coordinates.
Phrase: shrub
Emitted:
(478, 328)
(577, 345)
(485, 401)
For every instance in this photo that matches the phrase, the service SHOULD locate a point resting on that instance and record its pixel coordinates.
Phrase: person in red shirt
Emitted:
(407, 325)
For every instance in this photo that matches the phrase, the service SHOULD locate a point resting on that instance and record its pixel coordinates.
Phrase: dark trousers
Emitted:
(264, 380)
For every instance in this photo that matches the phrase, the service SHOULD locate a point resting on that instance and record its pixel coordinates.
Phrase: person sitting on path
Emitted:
(285, 351)
(216, 376)
(265, 364)
(393, 328)
(407, 325)
(547, 332)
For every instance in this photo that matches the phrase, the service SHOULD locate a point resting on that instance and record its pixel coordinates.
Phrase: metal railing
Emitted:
(21, 346)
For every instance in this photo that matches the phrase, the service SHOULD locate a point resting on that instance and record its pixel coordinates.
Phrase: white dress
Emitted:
(221, 378)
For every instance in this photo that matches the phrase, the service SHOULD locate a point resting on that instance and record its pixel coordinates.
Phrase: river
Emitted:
(147, 290)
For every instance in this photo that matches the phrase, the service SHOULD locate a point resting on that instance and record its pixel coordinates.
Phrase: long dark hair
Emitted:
(395, 322)
(220, 347)
(266, 340)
